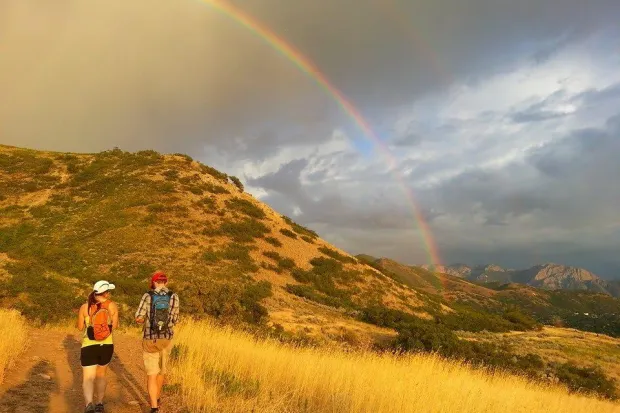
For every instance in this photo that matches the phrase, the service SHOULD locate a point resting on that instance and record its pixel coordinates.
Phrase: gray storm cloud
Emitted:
(88, 75)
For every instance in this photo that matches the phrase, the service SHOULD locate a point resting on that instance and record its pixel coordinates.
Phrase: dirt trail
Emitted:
(48, 377)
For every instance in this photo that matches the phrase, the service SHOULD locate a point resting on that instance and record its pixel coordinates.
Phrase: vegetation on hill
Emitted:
(67, 220)
(577, 358)
(584, 310)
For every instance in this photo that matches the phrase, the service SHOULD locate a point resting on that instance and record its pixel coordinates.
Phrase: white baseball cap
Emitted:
(103, 286)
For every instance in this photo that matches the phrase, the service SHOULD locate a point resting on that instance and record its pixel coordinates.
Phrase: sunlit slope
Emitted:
(228, 371)
(67, 220)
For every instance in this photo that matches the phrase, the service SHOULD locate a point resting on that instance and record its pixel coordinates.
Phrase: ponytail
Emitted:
(91, 301)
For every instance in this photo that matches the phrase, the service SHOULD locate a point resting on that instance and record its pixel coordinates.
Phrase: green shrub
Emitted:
(30, 279)
(521, 321)
(336, 255)
(171, 174)
(300, 229)
(250, 301)
(191, 179)
(272, 254)
(325, 265)
(214, 173)
(185, 157)
(241, 255)
(245, 207)
(273, 241)
(156, 208)
(237, 182)
(196, 190)
(25, 162)
(321, 276)
(245, 231)
(286, 263)
(216, 189)
(586, 379)
(208, 203)
(307, 239)
(210, 256)
(167, 187)
(271, 267)
(283, 263)
(305, 291)
(288, 233)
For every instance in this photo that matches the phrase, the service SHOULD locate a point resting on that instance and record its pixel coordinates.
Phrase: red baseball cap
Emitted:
(158, 276)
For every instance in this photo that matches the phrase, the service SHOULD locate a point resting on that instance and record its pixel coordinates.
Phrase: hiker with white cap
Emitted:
(97, 318)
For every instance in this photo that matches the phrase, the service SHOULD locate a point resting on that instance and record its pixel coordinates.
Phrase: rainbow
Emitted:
(308, 67)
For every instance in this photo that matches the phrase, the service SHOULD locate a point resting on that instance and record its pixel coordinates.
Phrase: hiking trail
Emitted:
(47, 377)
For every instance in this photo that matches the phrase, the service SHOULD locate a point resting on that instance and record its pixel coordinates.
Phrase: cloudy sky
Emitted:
(500, 118)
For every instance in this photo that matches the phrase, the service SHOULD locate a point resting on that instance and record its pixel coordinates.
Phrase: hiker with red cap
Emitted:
(159, 313)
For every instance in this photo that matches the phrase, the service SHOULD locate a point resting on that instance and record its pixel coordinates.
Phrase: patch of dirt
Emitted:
(48, 377)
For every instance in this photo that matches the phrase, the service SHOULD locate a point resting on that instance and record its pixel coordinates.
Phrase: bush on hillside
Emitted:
(308, 239)
(322, 276)
(29, 289)
(586, 380)
(185, 157)
(300, 229)
(240, 254)
(273, 241)
(25, 162)
(214, 173)
(245, 207)
(237, 183)
(336, 255)
(521, 321)
(467, 318)
(216, 189)
(306, 291)
(288, 233)
(283, 263)
(255, 312)
(244, 231)
(211, 256)
(171, 174)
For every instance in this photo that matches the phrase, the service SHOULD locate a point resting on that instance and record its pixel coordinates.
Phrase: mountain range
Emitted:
(549, 276)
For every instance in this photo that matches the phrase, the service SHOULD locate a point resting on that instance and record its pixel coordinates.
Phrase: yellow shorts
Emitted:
(156, 362)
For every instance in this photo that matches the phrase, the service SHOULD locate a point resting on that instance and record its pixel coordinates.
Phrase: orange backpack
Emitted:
(100, 326)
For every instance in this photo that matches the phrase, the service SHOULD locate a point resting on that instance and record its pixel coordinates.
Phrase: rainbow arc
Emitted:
(308, 67)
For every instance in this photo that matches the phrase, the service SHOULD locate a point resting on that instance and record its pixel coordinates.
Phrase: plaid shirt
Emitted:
(144, 310)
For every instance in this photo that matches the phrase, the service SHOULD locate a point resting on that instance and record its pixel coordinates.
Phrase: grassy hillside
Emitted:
(67, 220)
(583, 310)
(562, 346)
(224, 370)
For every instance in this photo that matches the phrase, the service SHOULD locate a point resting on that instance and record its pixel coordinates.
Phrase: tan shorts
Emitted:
(156, 356)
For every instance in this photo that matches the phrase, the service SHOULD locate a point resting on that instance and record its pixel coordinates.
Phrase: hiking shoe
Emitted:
(90, 408)
(99, 408)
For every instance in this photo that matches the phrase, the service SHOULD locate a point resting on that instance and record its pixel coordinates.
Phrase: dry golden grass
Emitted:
(13, 333)
(219, 369)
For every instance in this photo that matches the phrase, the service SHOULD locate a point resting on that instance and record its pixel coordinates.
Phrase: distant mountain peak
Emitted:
(549, 276)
